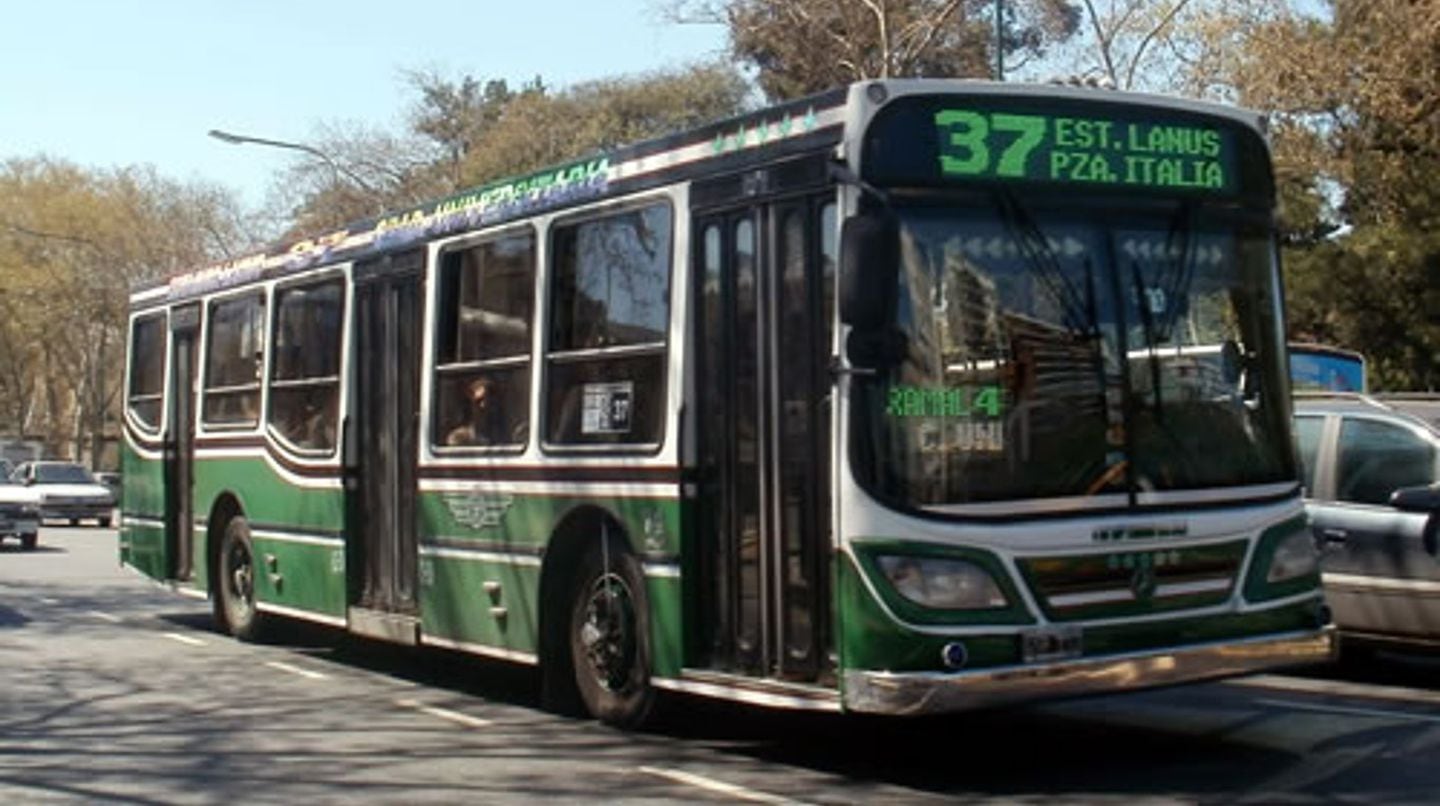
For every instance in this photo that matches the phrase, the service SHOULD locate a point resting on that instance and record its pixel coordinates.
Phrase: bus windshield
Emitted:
(1075, 354)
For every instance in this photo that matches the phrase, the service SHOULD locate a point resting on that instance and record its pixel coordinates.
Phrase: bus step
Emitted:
(397, 628)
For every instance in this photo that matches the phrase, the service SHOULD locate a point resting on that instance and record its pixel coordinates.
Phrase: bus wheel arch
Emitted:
(574, 581)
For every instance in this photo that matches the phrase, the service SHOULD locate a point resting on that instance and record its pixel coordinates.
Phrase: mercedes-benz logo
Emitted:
(1142, 582)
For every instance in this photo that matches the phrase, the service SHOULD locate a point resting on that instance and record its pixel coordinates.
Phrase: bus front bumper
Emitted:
(913, 693)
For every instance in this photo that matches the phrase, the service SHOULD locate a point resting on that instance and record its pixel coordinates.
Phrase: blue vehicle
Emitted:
(1317, 367)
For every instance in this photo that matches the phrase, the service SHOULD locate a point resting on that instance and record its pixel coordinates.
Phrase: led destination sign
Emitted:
(980, 144)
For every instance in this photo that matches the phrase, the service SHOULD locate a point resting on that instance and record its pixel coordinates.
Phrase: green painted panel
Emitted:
(142, 547)
(143, 484)
(667, 636)
(265, 496)
(300, 575)
(871, 640)
(526, 521)
(455, 604)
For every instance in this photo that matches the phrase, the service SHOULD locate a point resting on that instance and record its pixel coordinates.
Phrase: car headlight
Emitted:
(941, 583)
(1295, 556)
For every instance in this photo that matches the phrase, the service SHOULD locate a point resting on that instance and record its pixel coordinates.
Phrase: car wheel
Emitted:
(29, 541)
(610, 638)
(105, 522)
(234, 599)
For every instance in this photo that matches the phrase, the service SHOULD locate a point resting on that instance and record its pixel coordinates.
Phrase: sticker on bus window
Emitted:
(608, 408)
(979, 437)
(943, 401)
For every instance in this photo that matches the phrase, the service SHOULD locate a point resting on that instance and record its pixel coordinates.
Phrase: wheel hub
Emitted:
(608, 633)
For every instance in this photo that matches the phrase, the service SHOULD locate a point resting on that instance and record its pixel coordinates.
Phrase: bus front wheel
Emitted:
(610, 638)
(235, 589)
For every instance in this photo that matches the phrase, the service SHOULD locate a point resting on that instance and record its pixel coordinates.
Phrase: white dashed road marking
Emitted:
(718, 787)
(184, 639)
(296, 670)
(1337, 688)
(445, 713)
(1348, 711)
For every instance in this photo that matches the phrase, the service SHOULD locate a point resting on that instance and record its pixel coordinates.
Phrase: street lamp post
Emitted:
(335, 167)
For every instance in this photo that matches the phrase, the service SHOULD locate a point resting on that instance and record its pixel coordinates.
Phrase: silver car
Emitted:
(1372, 479)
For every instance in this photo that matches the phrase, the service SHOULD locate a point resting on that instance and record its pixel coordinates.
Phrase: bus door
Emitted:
(765, 279)
(180, 443)
(380, 447)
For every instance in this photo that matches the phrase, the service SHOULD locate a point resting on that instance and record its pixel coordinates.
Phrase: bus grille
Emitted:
(1135, 582)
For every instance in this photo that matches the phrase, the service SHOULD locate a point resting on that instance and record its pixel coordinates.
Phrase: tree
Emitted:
(798, 47)
(542, 128)
(1355, 96)
(72, 242)
(465, 132)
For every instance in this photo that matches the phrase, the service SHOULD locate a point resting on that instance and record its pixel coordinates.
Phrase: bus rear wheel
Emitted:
(610, 638)
(235, 609)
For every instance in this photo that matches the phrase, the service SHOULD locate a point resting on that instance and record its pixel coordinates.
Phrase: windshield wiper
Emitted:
(1035, 248)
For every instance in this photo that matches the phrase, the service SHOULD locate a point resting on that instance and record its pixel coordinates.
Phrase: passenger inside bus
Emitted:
(485, 423)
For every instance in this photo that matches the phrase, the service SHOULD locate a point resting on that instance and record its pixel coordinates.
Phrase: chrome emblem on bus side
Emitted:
(478, 511)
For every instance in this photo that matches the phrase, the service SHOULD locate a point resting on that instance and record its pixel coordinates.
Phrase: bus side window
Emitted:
(482, 365)
(234, 347)
(609, 323)
(146, 382)
(305, 364)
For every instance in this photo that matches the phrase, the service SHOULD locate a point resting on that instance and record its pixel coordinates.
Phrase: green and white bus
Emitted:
(863, 402)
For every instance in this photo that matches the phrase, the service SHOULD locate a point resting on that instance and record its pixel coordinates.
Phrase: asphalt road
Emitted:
(116, 690)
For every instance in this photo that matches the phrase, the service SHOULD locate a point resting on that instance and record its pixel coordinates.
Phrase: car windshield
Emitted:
(1075, 355)
(62, 474)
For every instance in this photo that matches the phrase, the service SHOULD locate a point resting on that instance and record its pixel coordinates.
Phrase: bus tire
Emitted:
(29, 540)
(609, 636)
(234, 601)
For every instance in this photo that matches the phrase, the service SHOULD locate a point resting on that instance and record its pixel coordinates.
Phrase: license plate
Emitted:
(1043, 644)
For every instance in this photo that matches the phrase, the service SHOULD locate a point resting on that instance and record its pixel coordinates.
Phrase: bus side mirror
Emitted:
(869, 271)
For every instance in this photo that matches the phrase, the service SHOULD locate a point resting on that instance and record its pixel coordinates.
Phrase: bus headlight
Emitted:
(941, 583)
(1294, 557)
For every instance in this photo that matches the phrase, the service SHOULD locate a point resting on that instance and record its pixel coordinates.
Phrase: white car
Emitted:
(19, 514)
(67, 491)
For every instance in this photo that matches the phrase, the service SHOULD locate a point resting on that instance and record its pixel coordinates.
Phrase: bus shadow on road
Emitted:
(492, 680)
(1188, 743)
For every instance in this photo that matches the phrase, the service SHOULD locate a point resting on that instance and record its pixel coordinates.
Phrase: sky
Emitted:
(113, 83)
